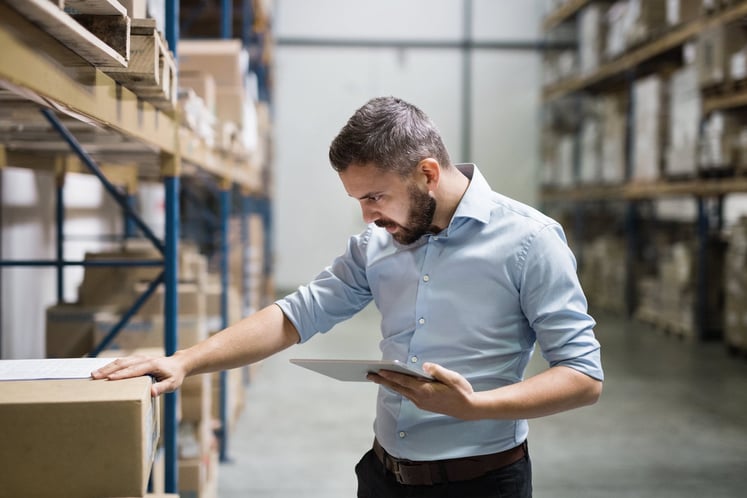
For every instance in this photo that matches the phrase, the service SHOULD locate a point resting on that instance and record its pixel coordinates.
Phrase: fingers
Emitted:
(123, 368)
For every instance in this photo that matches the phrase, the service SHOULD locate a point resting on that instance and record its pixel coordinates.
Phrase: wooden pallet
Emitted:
(96, 30)
(151, 72)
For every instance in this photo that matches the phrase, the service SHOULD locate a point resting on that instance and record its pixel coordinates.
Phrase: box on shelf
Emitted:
(685, 112)
(683, 11)
(591, 37)
(98, 285)
(148, 332)
(86, 438)
(226, 60)
(613, 112)
(203, 84)
(649, 123)
(714, 49)
(69, 330)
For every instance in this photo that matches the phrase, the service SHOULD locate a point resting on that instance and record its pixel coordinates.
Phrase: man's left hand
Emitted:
(450, 394)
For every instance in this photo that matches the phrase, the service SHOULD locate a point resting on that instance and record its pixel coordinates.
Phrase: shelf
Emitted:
(647, 190)
(569, 9)
(630, 60)
(725, 101)
(114, 124)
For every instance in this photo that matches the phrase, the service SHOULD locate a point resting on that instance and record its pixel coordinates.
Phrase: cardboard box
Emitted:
(69, 330)
(82, 438)
(226, 60)
(148, 332)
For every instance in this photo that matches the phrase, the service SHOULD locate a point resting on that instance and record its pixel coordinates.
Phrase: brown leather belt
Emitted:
(455, 469)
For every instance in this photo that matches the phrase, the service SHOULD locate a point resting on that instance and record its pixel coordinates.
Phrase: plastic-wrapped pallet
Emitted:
(613, 113)
(649, 125)
(685, 116)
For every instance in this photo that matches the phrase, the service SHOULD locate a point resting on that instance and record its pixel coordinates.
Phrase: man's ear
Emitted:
(431, 171)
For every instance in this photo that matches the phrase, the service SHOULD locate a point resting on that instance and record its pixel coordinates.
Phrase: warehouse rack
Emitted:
(660, 50)
(121, 132)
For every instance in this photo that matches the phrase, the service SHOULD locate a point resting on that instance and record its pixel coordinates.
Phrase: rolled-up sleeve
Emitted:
(336, 294)
(555, 305)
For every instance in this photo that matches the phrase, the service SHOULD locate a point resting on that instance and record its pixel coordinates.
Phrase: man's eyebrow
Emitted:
(369, 195)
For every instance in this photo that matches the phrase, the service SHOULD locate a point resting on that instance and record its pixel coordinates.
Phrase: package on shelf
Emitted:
(69, 329)
(85, 437)
(196, 437)
(617, 21)
(203, 84)
(682, 11)
(722, 143)
(613, 113)
(649, 123)
(558, 65)
(685, 112)
(196, 116)
(226, 60)
(715, 47)
(647, 19)
(603, 272)
(198, 477)
(148, 331)
(214, 295)
(191, 300)
(591, 37)
(591, 148)
(97, 287)
(735, 286)
(235, 396)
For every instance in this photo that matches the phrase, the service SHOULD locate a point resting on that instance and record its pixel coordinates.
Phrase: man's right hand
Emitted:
(168, 372)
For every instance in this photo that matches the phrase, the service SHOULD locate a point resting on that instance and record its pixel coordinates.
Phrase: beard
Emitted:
(419, 220)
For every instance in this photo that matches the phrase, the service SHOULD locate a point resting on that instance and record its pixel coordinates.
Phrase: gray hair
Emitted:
(389, 133)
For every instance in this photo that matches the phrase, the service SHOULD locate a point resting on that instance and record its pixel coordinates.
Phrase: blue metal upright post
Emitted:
(171, 315)
(60, 222)
(225, 209)
(130, 228)
(225, 212)
(172, 25)
(226, 19)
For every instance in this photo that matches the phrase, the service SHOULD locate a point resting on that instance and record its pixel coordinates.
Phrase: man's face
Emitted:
(398, 204)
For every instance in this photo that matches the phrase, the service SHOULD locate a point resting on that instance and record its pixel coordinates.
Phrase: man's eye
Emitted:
(375, 198)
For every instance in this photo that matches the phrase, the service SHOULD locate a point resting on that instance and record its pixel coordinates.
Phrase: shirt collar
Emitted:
(474, 201)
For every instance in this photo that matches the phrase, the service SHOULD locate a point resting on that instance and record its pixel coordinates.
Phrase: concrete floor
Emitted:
(672, 422)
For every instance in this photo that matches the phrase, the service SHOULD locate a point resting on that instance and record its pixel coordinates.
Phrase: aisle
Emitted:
(672, 422)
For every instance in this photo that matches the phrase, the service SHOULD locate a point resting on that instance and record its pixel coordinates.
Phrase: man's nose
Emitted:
(370, 215)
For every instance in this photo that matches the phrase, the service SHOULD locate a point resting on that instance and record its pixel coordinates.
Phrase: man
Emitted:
(466, 281)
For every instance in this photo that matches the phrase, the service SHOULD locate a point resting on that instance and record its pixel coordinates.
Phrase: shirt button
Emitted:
(421, 321)
(414, 359)
(435, 237)
(426, 278)
(402, 434)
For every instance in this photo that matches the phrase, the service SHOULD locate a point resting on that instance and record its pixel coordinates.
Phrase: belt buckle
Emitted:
(412, 474)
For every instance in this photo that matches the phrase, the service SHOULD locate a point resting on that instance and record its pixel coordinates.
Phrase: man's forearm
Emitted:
(555, 390)
(250, 340)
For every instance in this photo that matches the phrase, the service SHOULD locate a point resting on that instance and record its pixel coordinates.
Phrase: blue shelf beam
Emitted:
(171, 314)
(225, 214)
(127, 316)
(86, 159)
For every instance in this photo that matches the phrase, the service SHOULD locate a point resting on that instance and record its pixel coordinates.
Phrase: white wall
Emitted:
(27, 221)
(317, 89)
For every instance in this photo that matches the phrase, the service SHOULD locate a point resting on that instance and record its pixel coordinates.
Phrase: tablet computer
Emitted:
(357, 370)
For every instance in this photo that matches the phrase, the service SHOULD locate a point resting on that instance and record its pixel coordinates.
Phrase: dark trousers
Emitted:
(513, 481)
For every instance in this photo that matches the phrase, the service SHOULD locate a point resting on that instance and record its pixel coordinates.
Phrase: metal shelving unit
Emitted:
(708, 193)
(89, 122)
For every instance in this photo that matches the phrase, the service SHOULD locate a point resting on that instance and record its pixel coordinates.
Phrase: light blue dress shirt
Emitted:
(474, 298)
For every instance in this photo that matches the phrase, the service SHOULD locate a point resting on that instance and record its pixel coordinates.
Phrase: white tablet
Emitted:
(357, 370)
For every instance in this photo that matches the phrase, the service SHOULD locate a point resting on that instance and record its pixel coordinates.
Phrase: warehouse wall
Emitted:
(28, 232)
(317, 89)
